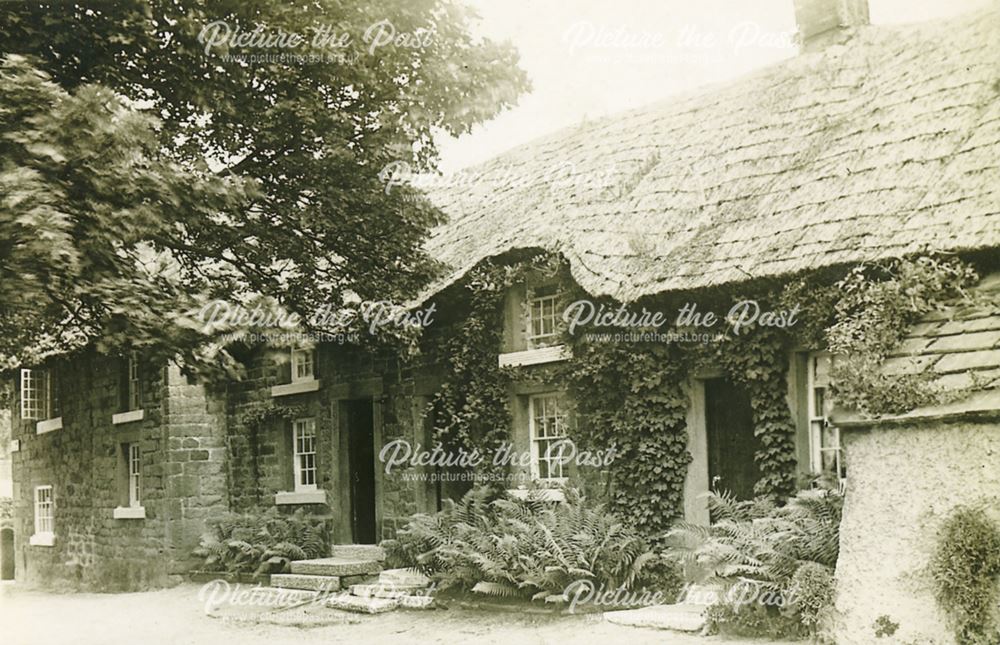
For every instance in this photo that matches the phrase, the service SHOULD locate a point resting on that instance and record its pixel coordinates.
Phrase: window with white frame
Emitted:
(39, 394)
(548, 420)
(134, 462)
(826, 454)
(304, 443)
(303, 365)
(133, 387)
(543, 317)
(44, 517)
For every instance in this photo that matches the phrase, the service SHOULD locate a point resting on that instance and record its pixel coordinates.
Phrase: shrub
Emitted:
(515, 547)
(777, 552)
(812, 593)
(262, 542)
(965, 566)
(751, 620)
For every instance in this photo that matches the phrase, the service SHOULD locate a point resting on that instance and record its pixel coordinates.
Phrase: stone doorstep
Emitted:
(336, 567)
(305, 581)
(403, 578)
(678, 618)
(362, 605)
(358, 552)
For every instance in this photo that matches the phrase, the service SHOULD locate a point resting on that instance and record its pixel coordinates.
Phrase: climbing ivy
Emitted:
(245, 435)
(868, 312)
(634, 395)
(471, 408)
(757, 359)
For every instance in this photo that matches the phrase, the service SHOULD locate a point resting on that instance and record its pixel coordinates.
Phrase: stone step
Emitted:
(358, 551)
(403, 578)
(336, 566)
(678, 618)
(362, 605)
(305, 581)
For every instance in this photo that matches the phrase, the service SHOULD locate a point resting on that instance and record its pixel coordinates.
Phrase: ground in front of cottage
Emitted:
(176, 617)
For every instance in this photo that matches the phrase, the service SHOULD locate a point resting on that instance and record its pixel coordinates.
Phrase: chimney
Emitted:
(822, 22)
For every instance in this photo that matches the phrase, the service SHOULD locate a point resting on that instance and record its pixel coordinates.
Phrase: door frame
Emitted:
(341, 396)
(696, 484)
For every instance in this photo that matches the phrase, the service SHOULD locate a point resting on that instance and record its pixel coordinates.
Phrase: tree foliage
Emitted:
(308, 130)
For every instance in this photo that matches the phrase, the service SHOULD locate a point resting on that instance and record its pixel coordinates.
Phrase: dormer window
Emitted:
(302, 365)
(543, 317)
(303, 362)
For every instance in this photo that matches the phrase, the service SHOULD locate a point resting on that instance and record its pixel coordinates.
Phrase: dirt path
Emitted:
(176, 617)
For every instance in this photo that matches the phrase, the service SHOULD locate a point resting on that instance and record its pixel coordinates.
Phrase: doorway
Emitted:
(731, 440)
(361, 469)
(6, 554)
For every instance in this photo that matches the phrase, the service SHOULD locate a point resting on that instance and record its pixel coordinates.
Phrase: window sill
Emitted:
(129, 513)
(544, 494)
(300, 497)
(42, 539)
(297, 387)
(538, 356)
(128, 417)
(49, 425)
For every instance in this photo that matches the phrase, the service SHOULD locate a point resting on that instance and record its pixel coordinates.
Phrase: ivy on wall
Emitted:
(244, 445)
(471, 408)
(867, 313)
(634, 395)
(757, 359)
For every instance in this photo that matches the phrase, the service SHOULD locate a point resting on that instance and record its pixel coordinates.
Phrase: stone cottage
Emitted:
(872, 143)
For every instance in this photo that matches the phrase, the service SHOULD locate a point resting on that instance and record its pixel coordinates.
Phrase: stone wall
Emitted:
(904, 479)
(179, 437)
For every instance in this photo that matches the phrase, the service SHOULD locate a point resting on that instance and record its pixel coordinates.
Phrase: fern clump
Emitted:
(773, 561)
(522, 547)
(262, 542)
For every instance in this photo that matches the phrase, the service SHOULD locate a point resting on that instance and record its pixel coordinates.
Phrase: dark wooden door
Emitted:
(6, 554)
(731, 441)
(361, 456)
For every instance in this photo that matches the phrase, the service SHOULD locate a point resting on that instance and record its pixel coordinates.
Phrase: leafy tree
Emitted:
(83, 192)
(300, 133)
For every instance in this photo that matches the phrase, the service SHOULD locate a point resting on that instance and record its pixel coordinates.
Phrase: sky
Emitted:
(590, 58)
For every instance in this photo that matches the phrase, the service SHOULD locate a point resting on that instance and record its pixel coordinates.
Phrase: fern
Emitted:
(536, 546)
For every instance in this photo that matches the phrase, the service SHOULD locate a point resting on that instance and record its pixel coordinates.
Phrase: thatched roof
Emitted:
(884, 145)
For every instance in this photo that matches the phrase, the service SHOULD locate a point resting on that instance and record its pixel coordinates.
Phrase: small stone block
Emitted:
(362, 605)
(305, 581)
(416, 602)
(403, 578)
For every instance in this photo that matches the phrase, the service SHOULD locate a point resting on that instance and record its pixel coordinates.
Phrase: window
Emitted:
(302, 365)
(44, 519)
(547, 426)
(133, 391)
(543, 317)
(134, 461)
(39, 394)
(304, 443)
(826, 455)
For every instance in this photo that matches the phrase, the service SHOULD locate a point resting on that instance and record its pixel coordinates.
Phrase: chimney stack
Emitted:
(821, 22)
